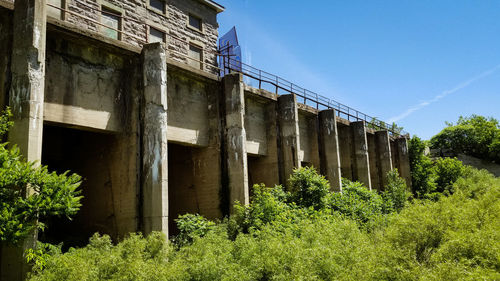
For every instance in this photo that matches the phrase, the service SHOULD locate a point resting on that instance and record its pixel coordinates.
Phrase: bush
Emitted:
(395, 193)
(357, 203)
(447, 172)
(308, 188)
(30, 194)
(422, 177)
(191, 226)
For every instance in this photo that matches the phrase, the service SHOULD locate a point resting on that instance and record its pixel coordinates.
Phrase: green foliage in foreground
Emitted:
(30, 194)
(454, 238)
(475, 135)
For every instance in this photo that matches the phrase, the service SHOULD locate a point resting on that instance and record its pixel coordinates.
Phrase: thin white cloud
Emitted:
(457, 88)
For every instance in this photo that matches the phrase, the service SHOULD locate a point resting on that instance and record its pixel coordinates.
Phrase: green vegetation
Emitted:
(446, 228)
(475, 135)
(354, 235)
(50, 194)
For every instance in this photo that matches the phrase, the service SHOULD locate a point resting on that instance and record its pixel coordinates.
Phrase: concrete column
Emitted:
(362, 162)
(384, 155)
(28, 77)
(235, 139)
(288, 117)
(404, 160)
(345, 147)
(329, 148)
(26, 99)
(154, 139)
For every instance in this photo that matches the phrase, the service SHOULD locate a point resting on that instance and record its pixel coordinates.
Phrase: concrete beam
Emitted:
(329, 148)
(154, 143)
(26, 99)
(362, 162)
(403, 160)
(235, 139)
(288, 118)
(384, 155)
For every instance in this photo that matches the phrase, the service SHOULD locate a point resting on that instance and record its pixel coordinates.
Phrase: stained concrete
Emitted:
(289, 138)
(361, 157)
(384, 155)
(329, 148)
(346, 151)
(235, 139)
(154, 140)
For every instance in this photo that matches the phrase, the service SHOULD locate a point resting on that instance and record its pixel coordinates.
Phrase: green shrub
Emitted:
(422, 177)
(308, 188)
(191, 226)
(30, 194)
(447, 172)
(357, 203)
(395, 193)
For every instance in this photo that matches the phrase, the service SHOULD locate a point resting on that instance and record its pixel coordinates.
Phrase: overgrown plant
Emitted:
(29, 194)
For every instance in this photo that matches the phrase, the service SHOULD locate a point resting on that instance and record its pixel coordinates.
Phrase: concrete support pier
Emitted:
(289, 136)
(235, 139)
(26, 98)
(384, 155)
(362, 162)
(329, 148)
(154, 143)
(403, 160)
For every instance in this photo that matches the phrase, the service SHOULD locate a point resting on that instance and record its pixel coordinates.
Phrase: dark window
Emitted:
(195, 22)
(156, 35)
(111, 20)
(157, 5)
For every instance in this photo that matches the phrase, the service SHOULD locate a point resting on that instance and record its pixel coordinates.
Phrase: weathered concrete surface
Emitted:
(5, 54)
(329, 148)
(362, 162)
(308, 134)
(235, 139)
(87, 86)
(154, 139)
(289, 138)
(186, 94)
(374, 165)
(26, 98)
(403, 160)
(261, 128)
(346, 151)
(384, 156)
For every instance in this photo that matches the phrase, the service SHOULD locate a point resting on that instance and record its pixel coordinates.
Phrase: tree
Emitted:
(52, 194)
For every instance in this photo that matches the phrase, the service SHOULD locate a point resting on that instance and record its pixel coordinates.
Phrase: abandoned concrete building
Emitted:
(129, 95)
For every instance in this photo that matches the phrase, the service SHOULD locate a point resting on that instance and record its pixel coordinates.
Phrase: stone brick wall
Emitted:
(137, 17)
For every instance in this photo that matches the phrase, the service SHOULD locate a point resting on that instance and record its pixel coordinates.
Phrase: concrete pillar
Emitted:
(372, 155)
(346, 153)
(404, 160)
(383, 155)
(362, 162)
(154, 139)
(235, 139)
(288, 117)
(329, 148)
(26, 99)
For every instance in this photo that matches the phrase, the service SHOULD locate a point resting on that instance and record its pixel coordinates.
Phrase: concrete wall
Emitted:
(155, 138)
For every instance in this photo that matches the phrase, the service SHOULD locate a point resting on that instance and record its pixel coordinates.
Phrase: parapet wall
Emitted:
(155, 138)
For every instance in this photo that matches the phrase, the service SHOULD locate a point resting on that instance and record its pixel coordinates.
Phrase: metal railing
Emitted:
(276, 84)
(232, 65)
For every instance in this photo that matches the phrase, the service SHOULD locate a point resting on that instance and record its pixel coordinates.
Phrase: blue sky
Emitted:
(419, 63)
